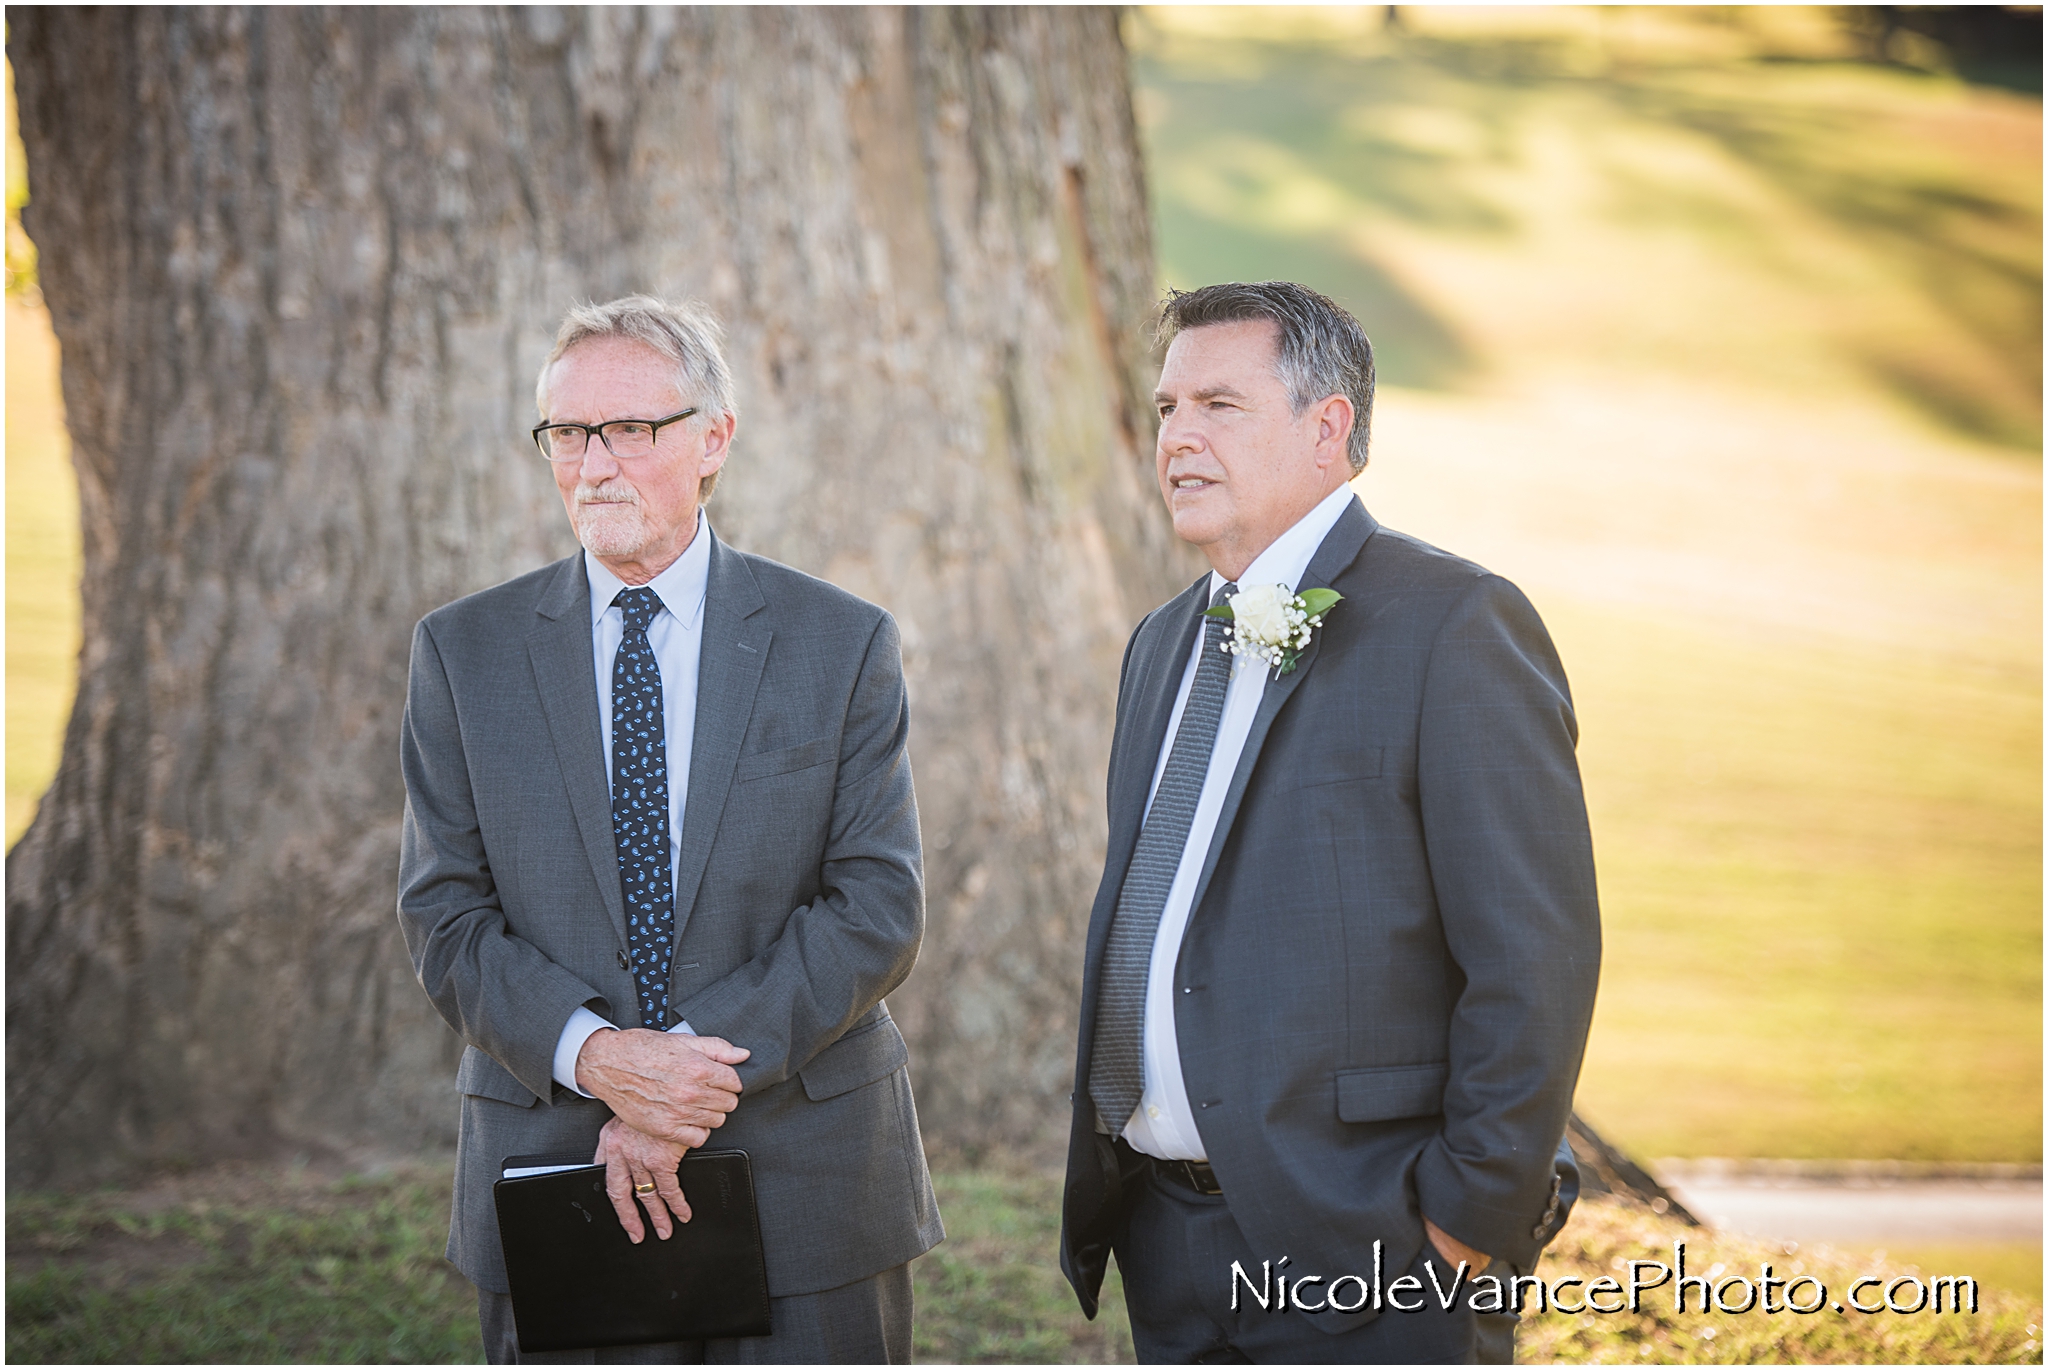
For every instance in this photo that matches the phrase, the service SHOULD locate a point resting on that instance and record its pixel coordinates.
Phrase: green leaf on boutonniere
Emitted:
(1317, 602)
(1311, 605)
(1281, 623)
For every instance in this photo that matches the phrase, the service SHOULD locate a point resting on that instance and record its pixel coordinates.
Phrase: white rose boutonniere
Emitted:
(1271, 623)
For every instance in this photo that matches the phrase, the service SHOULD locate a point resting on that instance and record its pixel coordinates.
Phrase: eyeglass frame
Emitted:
(596, 430)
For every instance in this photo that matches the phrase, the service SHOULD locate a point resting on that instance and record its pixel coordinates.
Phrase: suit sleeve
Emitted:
(838, 955)
(497, 990)
(1510, 853)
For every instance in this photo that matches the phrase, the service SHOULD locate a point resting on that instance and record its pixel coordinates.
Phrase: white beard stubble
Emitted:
(609, 520)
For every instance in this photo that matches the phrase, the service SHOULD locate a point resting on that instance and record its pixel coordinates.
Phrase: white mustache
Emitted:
(607, 492)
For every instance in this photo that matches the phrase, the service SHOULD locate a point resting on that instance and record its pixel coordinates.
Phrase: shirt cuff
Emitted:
(685, 1029)
(574, 1034)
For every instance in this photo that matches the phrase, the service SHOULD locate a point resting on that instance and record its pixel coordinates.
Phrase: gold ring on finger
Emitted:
(644, 1188)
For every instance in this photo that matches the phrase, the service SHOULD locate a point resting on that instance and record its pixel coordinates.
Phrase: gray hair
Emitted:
(1322, 350)
(686, 333)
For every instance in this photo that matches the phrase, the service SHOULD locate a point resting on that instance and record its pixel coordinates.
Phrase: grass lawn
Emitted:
(252, 1264)
(243, 1266)
(261, 1264)
(1603, 1237)
(992, 1292)
(1727, 350)
(1820, 865)
(248, 1264)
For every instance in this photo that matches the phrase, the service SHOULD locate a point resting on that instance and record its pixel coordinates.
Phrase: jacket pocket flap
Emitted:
(802, 756)
(1371, 1096)
(480, 1075)
(861, 1057)
(1335, 768)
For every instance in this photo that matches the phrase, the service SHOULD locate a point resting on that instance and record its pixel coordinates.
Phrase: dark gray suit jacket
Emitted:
(799, 896)
(1388, 973)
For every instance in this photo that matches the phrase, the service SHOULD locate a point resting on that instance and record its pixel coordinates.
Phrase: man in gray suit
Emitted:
(1342, 961)
(660, 862)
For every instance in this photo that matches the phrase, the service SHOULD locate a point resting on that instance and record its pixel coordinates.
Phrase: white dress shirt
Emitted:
(1164, 1124)
(677, 636)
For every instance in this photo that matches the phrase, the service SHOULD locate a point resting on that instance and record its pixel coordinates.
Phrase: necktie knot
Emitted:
(639, 604)
(1212, 628)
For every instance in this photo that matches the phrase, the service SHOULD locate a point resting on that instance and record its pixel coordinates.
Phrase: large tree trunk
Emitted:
(304, 264)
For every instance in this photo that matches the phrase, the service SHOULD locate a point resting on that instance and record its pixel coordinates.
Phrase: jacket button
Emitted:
(624, 964)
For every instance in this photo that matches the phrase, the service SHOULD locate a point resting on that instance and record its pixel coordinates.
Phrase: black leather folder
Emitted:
(579, 1281)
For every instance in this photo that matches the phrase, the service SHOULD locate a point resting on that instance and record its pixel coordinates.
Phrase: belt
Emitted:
(1195, 1175)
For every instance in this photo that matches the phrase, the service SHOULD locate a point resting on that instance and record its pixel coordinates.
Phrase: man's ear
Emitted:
(718, 443)
(1334, 417)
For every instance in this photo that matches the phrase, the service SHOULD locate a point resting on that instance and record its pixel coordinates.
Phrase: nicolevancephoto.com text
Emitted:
(1716, 1290)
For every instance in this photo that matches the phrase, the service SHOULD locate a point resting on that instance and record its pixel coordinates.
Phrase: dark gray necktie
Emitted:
(1116, 1074)
(640, 806)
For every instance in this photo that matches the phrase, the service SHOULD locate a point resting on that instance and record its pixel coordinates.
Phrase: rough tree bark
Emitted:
(303, 265)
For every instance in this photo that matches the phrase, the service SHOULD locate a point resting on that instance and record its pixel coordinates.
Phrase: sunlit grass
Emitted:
(1821, 885)
(1726, 348)
(42, 564)
(2014, 1267)
(1702, 193)
(1603, 1237)
(1805, 656)
(42, 521)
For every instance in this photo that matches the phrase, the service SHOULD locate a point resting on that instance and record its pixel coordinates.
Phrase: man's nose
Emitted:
(598, 462)
(1178, 435)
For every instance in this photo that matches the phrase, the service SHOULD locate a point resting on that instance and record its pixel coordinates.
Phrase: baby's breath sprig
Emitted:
(1271, 624)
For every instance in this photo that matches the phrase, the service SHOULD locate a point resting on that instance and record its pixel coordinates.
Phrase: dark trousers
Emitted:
(1175, 1249)
(863, 1323)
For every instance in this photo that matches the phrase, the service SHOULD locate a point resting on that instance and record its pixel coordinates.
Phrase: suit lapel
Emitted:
(564, 669)
(735, 648)
(1340, 547)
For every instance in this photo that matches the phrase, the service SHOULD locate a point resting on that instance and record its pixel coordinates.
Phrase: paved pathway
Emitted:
(1809, 1204)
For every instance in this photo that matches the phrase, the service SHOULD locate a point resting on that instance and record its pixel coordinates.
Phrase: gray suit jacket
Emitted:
(1388, 973)
(799, 896)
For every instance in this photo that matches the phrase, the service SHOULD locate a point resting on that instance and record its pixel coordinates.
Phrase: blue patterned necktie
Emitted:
(640, 806)
(1116, 1074)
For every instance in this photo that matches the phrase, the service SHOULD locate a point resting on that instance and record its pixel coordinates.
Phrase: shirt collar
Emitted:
(680, 587)
(1286, 561)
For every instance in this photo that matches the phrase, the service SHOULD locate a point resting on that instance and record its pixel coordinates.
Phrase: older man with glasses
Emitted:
(661, 863)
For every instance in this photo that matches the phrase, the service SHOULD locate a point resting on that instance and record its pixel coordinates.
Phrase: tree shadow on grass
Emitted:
(1412, 345)
(1972, 251)
(1272, 156)
(1271, 170)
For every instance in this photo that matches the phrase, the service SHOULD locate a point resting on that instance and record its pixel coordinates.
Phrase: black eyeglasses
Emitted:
(623, 438)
